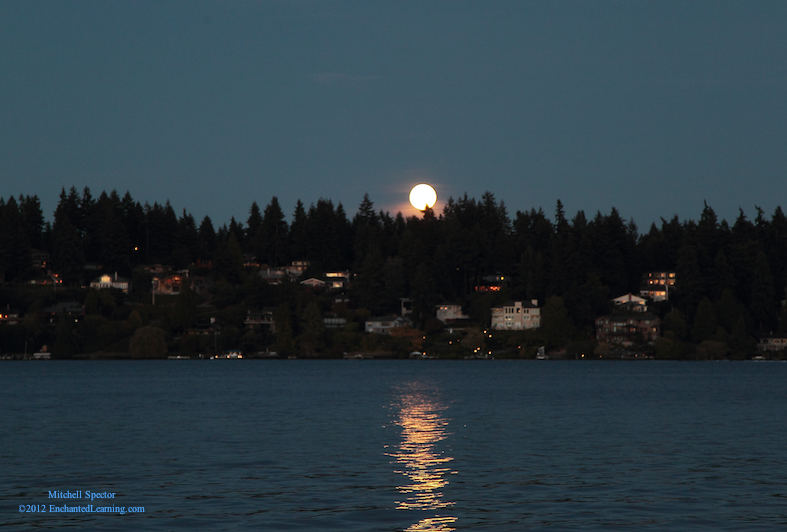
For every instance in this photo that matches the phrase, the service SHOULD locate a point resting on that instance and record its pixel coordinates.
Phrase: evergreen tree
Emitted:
(783, 319)
(148, 342)
(722, 276)
(675, 323)
(30, 209)
(727, 310)
(762, 304)
(704, 321)
(185, 312)
(367, 231)
(285, 340)
(322, 238)
(370, 282)
(236, 228)
(108, 233)
(272, 236)
(92, 303)
(253, 223)
(228, 261)
(423, 295)
(188, 247)
(89, 224)
(67, 257)
(68, 206)
(161, 229)
(298, 227)
(689, 287)
(740, 342)
(556, 323)
(64, 347)
(312, 329)
(207, 235)
(395, 287)
(344, 237)
(15, 258)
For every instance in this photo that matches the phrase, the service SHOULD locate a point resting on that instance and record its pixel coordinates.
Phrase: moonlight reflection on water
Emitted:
(424, 465)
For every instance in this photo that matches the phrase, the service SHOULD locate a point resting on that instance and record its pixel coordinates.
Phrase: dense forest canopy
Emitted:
(738, 268)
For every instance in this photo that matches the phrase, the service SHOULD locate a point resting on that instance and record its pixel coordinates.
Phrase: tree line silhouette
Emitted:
(728, 276)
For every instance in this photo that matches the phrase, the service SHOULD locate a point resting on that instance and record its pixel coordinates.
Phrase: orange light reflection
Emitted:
(424, 466)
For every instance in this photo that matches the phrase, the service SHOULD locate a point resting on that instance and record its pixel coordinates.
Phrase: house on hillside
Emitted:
(314, 283)
(274, 277)
(626, 329)
(9, 315)
(337, 280)
(169, 285)
(517, 315)
(297, 267)
(39, 259)
(657, 285)
(108, 281)
(263, 319)
(449, 312)
(250, 261)
(72, 310)
(331, 320)
(631, 303)
(384, 324)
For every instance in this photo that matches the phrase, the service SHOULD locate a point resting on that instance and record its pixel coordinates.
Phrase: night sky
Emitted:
(650, 107)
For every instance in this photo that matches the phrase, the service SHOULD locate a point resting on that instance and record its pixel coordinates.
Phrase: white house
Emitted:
(332, 321)
(107, 281)
(517, 315)
(384, 324)
(450, 312)
(772, 342)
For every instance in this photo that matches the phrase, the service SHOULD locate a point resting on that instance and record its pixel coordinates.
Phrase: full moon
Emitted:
(423, 196)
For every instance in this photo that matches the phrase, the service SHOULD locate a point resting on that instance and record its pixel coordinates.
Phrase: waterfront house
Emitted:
(516, 315)
(772, 342)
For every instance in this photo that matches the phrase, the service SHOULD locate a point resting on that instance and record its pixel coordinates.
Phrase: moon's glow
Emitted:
(423, 196)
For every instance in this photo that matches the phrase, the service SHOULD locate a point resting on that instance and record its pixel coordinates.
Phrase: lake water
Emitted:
(396, 445)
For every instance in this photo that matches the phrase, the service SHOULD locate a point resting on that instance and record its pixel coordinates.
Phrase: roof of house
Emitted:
(653, 287)
(65, 306)
(639, 316)
(523, 304)
(392, 317)
(629, 298)
(112, 278)
(772, 336)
